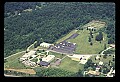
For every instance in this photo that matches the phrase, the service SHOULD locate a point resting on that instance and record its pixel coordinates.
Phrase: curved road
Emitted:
(105, 50)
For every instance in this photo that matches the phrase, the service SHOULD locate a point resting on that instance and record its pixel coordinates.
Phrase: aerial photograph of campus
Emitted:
(59, 39)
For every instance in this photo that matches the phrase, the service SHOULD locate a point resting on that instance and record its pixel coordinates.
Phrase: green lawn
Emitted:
(13, 61)
(70, 65)
(84, 47)
(56, 54)
(66, 36)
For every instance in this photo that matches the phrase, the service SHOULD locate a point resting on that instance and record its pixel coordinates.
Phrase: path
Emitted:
(105, 50)
(14, 54)
(64, 57)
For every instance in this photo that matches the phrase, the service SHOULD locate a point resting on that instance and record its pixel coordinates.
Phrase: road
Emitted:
(105, 50)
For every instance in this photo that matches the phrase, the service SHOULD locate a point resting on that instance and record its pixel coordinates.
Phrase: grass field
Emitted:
(56, 54)
(66, 36)
(70, 65)
(84, 47)
(96, 24)
(13, 61)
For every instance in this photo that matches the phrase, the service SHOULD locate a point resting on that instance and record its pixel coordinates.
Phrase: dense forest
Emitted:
(51, 22)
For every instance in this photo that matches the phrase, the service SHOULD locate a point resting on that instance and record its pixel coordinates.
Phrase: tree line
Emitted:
(51, 22)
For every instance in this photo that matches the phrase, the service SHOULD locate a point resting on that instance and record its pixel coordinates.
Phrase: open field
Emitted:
(56, 54)
(28, 71)
(13, 61)
(84, 47)
(70, 65)
(96, 24)
(66, 36)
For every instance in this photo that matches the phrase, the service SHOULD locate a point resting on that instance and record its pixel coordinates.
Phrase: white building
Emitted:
(100, 63)
(91, 27)
(47, 45)
(49, 58)
(81, 58)
(97, 57)
(27, 55)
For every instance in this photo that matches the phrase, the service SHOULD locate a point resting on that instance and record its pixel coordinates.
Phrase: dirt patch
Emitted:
(28, 71)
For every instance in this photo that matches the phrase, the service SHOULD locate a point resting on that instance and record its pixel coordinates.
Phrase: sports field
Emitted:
(13, 61)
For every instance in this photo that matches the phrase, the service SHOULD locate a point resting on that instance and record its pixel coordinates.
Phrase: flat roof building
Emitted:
(49, 58)
(44, 44)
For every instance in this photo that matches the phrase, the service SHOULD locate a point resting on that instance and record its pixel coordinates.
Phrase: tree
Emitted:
(91, 33)
(89, 39)
(5, 60)
(109, 62)
(110, 41)
(50, 23)
(79, 73)
(113, 59)
(91, 43)
(99, 37)
(105, 56)
(43, 50)
(95, 58)
(104, 46)
(87, 28)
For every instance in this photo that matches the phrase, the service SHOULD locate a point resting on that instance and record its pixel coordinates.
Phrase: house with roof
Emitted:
(91, 28)
(44, 44)
(49, 58)
(81, 58)
(28, 55)
(112, 45)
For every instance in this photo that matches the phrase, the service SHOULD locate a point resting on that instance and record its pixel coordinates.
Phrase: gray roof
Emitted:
(43, 63)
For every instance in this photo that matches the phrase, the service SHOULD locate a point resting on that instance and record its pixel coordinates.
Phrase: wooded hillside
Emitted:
(51, 22)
